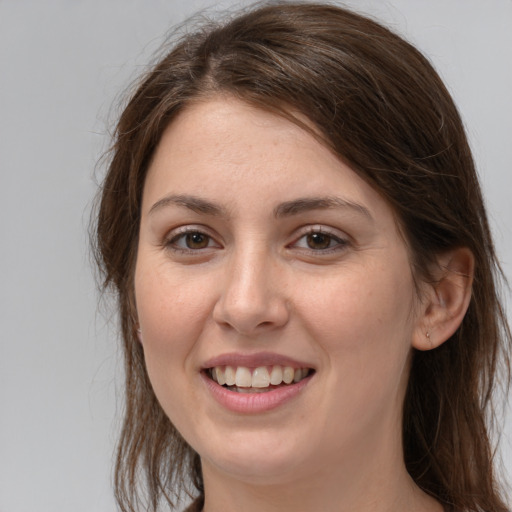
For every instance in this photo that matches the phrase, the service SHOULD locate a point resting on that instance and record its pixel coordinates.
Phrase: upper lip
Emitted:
(254, 360)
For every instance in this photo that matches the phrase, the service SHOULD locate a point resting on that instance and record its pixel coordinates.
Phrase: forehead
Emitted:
(223, 145)
(235, 132)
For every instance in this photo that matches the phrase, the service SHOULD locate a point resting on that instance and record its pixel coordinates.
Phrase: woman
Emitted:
(306, 278)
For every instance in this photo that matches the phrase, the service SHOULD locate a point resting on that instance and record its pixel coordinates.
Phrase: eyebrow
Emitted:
(286, 209)
(193, 203)
(306, 204)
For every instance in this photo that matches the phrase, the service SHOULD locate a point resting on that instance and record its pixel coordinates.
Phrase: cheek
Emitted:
(172, 312)
(169, 305)
(363, 322)
(363, 328)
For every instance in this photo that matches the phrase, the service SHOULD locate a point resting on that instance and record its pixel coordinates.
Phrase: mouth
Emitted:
(242, 379)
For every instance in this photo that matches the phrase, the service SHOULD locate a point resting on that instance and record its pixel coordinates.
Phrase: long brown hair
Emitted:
(381, 107)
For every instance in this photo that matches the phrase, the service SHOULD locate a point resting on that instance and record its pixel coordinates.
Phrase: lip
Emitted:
(254, 360)
(254, 403)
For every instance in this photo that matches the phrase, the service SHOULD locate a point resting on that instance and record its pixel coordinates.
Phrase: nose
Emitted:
(253, 298)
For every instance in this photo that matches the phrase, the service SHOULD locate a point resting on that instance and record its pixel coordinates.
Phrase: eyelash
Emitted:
(339, 243)
(172, 242)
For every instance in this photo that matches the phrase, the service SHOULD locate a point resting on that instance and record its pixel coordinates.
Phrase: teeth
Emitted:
(243, 377)
(288, 374)
(276, 375)
(229, 374)
(259, 378)
(221, 379)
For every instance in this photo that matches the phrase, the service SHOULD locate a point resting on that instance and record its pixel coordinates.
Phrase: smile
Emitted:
(242, 379)
(255, 383)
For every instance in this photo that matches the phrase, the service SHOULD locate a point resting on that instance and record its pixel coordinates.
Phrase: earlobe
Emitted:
(139, 333)
(446, 300)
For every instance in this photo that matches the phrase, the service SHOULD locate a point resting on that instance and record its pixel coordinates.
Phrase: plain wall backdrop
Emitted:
(62, 65)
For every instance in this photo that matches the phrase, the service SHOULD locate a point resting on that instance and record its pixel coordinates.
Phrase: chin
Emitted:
(264, 458)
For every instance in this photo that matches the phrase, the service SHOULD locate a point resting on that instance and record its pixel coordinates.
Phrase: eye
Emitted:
(319, 240)
(191, 240)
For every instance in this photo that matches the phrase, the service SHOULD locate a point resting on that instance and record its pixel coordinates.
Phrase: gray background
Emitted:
(62, 64)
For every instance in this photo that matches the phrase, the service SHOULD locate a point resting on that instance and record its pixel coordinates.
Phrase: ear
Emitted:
(446, 300)
(139, 332)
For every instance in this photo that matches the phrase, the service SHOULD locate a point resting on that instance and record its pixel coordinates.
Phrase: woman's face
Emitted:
(262, 258)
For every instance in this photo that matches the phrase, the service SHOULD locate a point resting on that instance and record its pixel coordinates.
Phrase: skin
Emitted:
(257, 282)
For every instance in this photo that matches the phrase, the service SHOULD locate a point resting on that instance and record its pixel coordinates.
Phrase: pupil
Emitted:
(196, 240)
(318, 241)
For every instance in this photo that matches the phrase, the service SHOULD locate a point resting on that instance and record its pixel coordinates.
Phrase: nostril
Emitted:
(248, 317)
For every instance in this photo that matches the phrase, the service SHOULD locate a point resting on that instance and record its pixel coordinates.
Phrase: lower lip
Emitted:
(253, 403)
